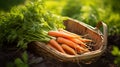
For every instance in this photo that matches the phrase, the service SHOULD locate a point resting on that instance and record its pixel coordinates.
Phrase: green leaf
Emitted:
(25, 57)
(18, 62)
(116, 51)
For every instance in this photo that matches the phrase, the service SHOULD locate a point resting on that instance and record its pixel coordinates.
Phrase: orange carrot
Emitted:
(56, 45)
(59, 34)
(66, 41)
(68, 49)
(71, 44)
(72, 34)
(76, 35)
(81, 50)
(50, 46)
(75, 40)
(86, 40)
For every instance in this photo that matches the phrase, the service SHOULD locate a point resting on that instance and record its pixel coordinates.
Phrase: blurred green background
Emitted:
(89, 11)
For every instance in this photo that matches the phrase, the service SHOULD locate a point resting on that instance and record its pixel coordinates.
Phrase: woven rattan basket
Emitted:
(99, 38)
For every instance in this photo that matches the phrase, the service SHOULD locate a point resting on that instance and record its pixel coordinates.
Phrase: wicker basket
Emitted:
(100, 42)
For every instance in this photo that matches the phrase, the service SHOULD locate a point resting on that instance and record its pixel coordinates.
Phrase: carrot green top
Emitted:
(27, 23)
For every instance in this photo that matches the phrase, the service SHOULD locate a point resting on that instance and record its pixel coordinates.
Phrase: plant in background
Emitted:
(113, 5)
(55, 6)
(8, 4)
(19, 62)
(72, 8)
(113, 23)
(77, 9)
(90, 15)
(112, 16)
(116, 52)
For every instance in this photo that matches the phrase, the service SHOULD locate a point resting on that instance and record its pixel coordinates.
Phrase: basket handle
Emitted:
(104, 29)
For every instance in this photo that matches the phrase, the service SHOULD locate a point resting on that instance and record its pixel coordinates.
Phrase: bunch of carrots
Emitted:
(68, 42)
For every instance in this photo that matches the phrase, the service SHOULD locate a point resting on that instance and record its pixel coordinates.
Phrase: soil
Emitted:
(106, 60)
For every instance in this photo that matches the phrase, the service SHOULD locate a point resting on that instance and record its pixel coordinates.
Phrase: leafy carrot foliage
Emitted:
(26, 23)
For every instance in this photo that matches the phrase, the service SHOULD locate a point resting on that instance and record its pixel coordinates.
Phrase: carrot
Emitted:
(75, 40)
(81, 50)
(72, 34)
(59, 34)
(68, 49)
(71, 44)
(56, 45)
(66, 41)
(50, 46)
(86, 40)
(77, 36)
